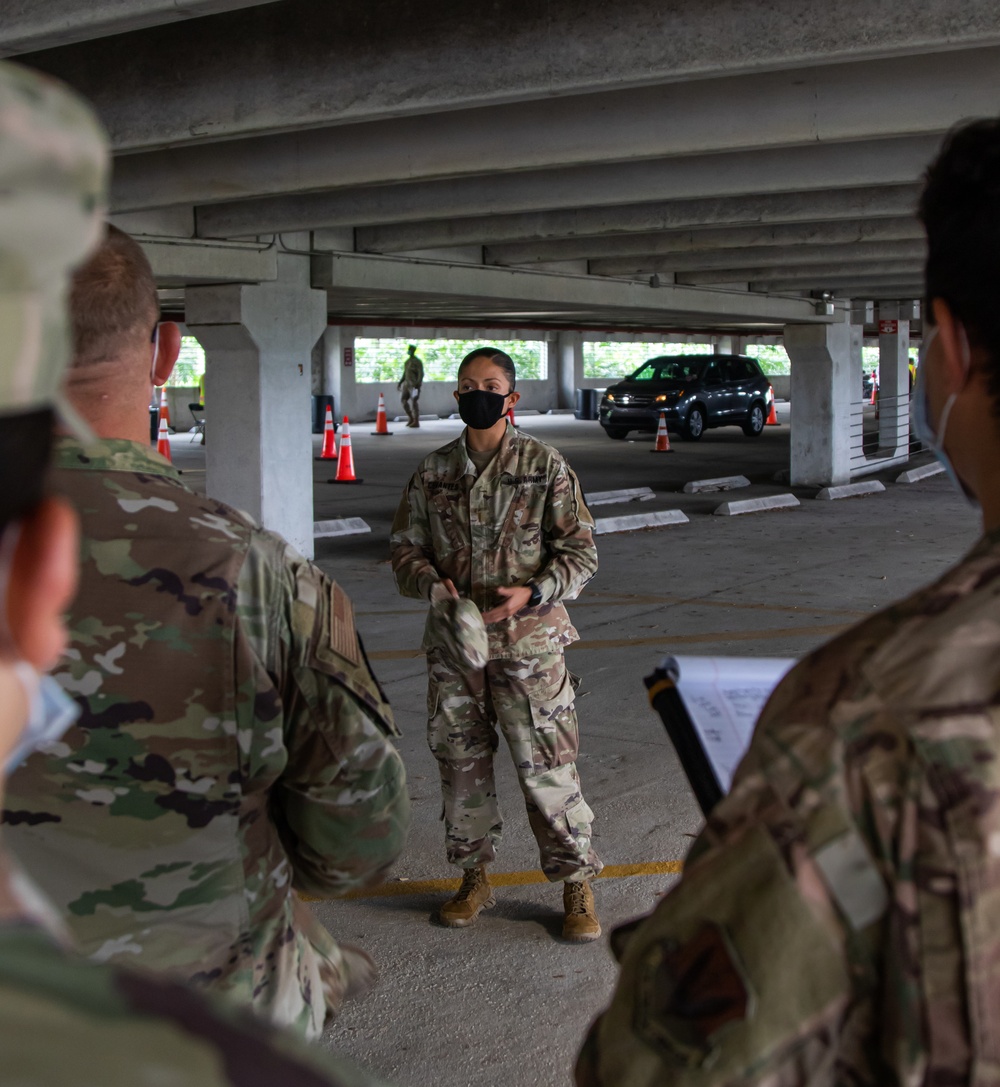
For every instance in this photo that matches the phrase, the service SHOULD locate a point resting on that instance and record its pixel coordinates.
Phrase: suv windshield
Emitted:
(668, 370)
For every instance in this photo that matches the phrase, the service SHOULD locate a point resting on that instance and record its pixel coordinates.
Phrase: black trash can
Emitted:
(320, 404)
(586, 404)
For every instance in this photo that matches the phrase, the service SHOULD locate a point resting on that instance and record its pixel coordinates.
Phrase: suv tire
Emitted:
(619, 433)
(694, 425)
(754, 425)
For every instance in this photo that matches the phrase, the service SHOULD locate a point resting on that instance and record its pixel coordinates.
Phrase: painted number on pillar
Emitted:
(348, 356)
(888, 328)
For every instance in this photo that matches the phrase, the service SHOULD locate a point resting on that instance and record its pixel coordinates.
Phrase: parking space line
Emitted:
(502, 879)
(657, 639)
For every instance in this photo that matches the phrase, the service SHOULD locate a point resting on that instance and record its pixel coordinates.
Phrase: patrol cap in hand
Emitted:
(53, 186)
(464, 634)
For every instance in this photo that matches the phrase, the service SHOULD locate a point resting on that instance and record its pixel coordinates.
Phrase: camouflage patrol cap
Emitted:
(464, 634)
(53, 183)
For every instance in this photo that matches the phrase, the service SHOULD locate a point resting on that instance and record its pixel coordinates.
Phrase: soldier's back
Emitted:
(148, 824)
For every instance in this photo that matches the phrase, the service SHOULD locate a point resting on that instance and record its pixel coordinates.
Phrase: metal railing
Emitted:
(885, 446)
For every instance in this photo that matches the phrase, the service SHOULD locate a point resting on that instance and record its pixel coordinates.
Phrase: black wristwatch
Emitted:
(536, 595)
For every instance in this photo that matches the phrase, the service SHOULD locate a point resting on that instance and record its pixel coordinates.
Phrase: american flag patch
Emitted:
(343, 636)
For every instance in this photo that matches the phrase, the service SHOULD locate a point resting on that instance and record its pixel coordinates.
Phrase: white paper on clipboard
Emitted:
(724, 697)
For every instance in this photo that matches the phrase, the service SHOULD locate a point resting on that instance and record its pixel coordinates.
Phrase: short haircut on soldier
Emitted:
(411, 347)
(960, 210)
(497, 357)
(113, 301)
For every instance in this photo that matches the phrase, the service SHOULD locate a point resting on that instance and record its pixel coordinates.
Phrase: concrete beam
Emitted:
(869, 203)
(737, 262)
(803, 273)
(533, 292)
(29, 25)
(832, 104)
(818, 168)
(310, 63)
(839, 283)
(908, 292)
(699, 241)
(176, 263)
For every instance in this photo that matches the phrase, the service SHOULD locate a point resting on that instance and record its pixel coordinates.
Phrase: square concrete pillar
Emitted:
(339, 368)
(822, 388)
(893, 379)
(569, 357)
(258, 344)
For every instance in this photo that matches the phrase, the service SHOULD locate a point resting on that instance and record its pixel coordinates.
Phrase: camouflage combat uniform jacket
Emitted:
(233, 745)
(64, 1020)
(523, 519)
(838, 920)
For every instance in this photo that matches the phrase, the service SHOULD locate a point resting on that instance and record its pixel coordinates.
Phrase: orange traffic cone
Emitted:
(164, 407)
(662, 438)
(163, 441)
(329, 451)
(772, 418)
(381, 422)
(345, 463)
(874, 399)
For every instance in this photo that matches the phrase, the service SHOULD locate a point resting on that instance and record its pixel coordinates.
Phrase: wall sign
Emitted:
(348, 356)
(888, 328)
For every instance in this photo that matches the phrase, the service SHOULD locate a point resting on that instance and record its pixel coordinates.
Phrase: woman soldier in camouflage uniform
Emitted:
(498, 518)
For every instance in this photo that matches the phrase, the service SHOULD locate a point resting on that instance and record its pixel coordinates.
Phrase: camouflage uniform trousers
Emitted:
(410, 396)
(532, 702)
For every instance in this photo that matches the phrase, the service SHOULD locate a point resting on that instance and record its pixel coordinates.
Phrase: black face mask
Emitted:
(480, 409)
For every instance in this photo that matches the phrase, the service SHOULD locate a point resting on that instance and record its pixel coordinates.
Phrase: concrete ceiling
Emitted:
(575, 147)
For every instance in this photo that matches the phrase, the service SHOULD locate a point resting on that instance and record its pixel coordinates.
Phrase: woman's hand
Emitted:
(514, 600)
(443, 590)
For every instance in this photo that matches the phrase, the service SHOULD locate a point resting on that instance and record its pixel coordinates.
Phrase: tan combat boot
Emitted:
(473, 896)
(581, 924)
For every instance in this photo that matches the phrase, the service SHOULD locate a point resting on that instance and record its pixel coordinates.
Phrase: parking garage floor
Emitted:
(505, 1001)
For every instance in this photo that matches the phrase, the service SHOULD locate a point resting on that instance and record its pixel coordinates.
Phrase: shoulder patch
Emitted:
(343, 636)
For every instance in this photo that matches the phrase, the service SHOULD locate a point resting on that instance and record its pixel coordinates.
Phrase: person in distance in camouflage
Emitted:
(233, 746)
(497, 519)
(64, 1020)
(837, 921)
(409, 384)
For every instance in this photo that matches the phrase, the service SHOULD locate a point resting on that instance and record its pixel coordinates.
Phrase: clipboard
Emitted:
(709, 707)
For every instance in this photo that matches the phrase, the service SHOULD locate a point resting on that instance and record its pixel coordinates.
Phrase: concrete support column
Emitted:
(258, 344)
(821, 387)
(330, 366)
(893, 379)
(339, 369)
(569, 355)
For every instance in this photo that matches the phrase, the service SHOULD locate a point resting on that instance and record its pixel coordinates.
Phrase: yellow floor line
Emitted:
(663, 639)
(504, 879)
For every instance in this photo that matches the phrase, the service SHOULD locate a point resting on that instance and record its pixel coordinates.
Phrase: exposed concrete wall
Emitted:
(258, 343)
(782, 385)
(822, 384)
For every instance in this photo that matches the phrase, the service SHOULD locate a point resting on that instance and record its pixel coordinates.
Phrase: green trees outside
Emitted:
(190, 363)
(382, 359)
(616, 360)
